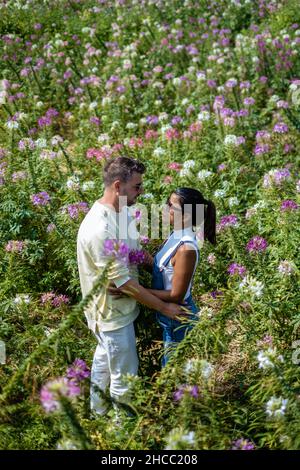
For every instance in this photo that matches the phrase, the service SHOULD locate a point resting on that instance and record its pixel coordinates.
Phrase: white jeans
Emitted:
(115, 356)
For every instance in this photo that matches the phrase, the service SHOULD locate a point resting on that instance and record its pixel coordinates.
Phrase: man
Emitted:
(111, 318)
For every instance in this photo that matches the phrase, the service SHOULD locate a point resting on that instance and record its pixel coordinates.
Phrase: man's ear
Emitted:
(116, 186)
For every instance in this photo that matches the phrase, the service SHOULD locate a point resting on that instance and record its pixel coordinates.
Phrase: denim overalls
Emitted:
(173, 330)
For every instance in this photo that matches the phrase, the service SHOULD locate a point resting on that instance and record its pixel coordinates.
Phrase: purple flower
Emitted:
(152, 120)
(242, 444)
(267, 341)
(227, 221)
(54, 390)
(144, 240)
(249, 101)
(176, 120)
(192, 390)
(53, 299)
(216, 293)
(211, 83)
(261, 149)
(59, 300)
(178, 394)
(280, 128)
(40, 199)
(76, 209)
(256, 244)
(78, 371)
(51, 112)
(276, 177)
(51, 227)
(231, 83)
(288, 205)
(262, 135)
(95, 120)
(44, 121)
(136, 257)
(116, 249)
(236, 269)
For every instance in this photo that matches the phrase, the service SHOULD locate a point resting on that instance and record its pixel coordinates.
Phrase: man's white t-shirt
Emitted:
(102, 222)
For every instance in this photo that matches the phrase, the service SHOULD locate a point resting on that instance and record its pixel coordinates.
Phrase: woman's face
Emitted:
(175, 211)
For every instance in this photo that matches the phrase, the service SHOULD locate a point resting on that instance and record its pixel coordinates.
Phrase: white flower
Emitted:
(251, 286)
(12, 125)
(220, 193)
(276, 407)
(274, 98)
(230, 139)
(250, 212)
(189, 164)
(105, 101)
(56, 139)
(73, 183)
(103, 138)
(178, 439)
(206, 369)
(93, 105)
(148, 196)
(176, 81)
(211, 258)
(233, 201)
(88, 185)
(131, 125)
(3, 97)
(184, 172)
(41, 143)
(158, 151)
(286, 267)
(267, 359)
(115, 124)
(203, 174)
(22, 298)
(163, 117)
(203, 116)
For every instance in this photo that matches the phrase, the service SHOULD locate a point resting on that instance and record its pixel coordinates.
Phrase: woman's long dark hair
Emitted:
(193, 197)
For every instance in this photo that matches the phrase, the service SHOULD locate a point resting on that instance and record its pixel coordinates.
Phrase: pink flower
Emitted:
(172, 134)
(175, 166)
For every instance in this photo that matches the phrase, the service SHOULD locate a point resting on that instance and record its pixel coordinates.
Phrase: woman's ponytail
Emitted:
(210, 222)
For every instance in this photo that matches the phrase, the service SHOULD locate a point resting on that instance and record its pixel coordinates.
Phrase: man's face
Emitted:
(132, 188)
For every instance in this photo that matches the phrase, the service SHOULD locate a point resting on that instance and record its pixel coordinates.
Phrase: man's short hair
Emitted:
(121, 168)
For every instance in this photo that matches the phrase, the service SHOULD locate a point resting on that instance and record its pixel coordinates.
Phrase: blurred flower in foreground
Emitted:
(180, 439)
(242, 444)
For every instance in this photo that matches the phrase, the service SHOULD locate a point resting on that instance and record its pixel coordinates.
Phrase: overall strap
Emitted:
(167, 257)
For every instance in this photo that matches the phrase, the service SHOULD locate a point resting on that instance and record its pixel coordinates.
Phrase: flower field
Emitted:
(207, 95)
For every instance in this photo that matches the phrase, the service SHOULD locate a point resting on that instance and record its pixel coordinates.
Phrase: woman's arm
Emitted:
(184, 263)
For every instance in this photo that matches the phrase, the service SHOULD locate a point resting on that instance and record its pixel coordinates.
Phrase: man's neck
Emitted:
(110, 200)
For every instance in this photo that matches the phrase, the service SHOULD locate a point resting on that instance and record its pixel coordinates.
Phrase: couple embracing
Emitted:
(173, 268)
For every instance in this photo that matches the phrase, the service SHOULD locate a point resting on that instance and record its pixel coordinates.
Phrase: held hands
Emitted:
(115, 292)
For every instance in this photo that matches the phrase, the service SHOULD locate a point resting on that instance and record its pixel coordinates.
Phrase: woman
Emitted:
(175, 263)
